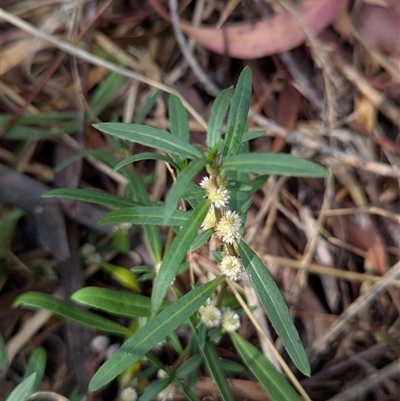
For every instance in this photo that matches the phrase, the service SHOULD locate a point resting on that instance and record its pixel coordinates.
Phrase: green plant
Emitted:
(219, 207)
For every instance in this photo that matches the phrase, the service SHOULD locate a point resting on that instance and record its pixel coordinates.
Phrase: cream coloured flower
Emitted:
(210, 219)
(232, 267)
(210, 315)
(228, 228)
(217, 194)
(128, 394)
(167, 394)
(207, 183)
(230, 320)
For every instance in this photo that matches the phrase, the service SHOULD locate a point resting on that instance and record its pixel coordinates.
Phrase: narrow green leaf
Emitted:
(278, 388)
(154, 388)
(179, 188)
(217, 117)
(23, 390)
(217, 373)
(61, 309)
(237, 116)
(90, 195)
(149, 215)
(114, 302)
(274, 163)
(174, 342)
(151, 137)
(189, 366)
(152, 333)
(51, 119)
(194, 194)
(121, 275)
(176, 254)
(277, 311)
(151, 233)
(178, 118)
(189, 393)
(201, 239)
(20, 132)
(142, 156)
(232, 367)
(151, 101)
(105, 92)
(36, 364)
(248, 136)
(7, 229)
(3, 353)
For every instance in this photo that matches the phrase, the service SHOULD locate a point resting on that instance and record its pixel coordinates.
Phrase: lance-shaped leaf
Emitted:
(176, 254)
(237, 116)
(201, 239)
(274, 163)
(145, 215)
(61, 309)
(115, 302)
(151, 101)
(153, 333)
(90, 195)
(274, 305)
(23, 389)
(179, 188)
(178, 118)
(151, 137)
(36, 364)
(142, 156)
(264, 371)
(151, 233)
(215, 367)
(217, 117)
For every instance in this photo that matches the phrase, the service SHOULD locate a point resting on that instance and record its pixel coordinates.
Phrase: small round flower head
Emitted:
(167, 394)
(157, 267)
(125, 227)
(112, 349)
(162, 374)
(91, 257)
(87, 250)
(207, 183)
(210, 315)
(99, 344)
(125, 380)
(217, 194)
(232, 267)
(230, 320)
(128, 394)
(210, 220)
(228, 228)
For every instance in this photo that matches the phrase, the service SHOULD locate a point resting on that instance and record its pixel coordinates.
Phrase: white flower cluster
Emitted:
(128, 394)
(232, 267)
(213, 317)
(91, 257)
(228, 227)
(217, 194)
(168, 393)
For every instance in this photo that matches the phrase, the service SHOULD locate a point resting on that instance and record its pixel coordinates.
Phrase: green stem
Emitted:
(221, 294)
